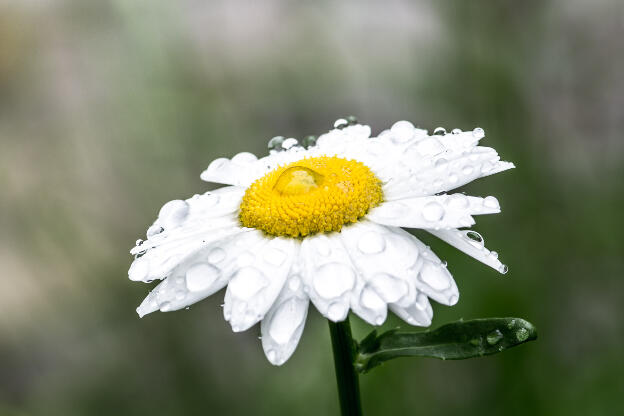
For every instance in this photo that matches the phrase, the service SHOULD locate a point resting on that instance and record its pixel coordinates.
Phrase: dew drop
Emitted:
(441, 163)
(165, 307)
(467, 170)
(456, 131)
(308, 141)
(289, 143)
(503, 269)
(478, 133)
(494, 337)
(216, 255)
(522, 334)
(333, 279)
(433, 211)
(337, 311)
(439, 131)
(341, 123)
(458, 201)
(271, 355)
(435, 276)
(453, 178)
(475, 238)
(389, 287)
(379, 320)
(247, 282)
(201, 276)
(286, 320)
(491, 202)
(402, 131)
(244, 158)
(276, 143)
(371, 300)
(371, 243)
(494, 254)
(173, 213)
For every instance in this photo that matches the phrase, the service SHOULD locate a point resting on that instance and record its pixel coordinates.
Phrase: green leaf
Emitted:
(455, 341)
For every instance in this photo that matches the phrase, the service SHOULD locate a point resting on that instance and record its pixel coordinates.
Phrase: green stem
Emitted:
(346, 376)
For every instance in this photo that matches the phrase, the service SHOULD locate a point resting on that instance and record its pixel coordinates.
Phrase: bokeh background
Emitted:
(108, 109)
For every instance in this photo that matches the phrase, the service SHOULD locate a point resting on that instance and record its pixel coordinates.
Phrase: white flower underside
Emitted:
(197, 246)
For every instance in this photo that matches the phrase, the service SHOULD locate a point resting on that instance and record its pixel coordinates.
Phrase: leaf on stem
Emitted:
(454, 341)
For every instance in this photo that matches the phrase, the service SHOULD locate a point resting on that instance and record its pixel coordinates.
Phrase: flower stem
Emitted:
(346, 376)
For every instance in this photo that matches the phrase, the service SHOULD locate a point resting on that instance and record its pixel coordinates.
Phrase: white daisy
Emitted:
(322, 224)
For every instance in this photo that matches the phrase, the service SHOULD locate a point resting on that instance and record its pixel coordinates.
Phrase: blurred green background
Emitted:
(108, 109)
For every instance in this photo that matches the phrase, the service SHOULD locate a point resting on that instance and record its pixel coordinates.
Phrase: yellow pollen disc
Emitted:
(318, 194)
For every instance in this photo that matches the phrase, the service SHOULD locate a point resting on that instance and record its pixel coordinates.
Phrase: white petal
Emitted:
(441, 172)
(257, 282)
(283, 324)
(201, 274)
(471, 243)
(439, 211)
(383, 258)
(429, 275)
(328, 275)
(183, 228)
(418, 313)
(236, 171)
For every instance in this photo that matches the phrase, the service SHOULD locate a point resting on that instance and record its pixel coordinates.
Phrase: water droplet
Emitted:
(421, 301)
(402, 131)
(247, 282)
(478, 133)
(245, 259)
(308, 141)
(371, 243)
(341, 123)
(475, 341)
(522, 334)
(333, 279)
(288, 317)
(154, 230)
(433, 211)
(456, 131)
(379, 320)
(435, 276)
(244, 158)
(337, 311)
(294, 283)
(453, 178)
(491, 202)
(467, 170)
(352, 120)
(439, 131)
(138, 242)
(441, 163)
(503, 269)
(216, 255)
(289, 143)
(276, 143)
(173, 213)
(201, 276)
(511, 324)
(494, 254)
(371, 300)
(165, 307)
(475, 238)
(271, 355)
(494, 337)
(180, 294)
(274, 256)
(389, 287)
(428, 147)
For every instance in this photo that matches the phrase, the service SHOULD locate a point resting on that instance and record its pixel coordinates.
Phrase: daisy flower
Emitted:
(323, 222)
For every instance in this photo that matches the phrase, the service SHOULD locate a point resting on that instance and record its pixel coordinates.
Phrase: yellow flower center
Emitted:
(318, 194)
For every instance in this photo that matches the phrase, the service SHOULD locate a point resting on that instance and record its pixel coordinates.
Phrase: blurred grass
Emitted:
(110, 109)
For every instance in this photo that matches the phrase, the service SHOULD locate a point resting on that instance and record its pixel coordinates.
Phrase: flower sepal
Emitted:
(454, 341)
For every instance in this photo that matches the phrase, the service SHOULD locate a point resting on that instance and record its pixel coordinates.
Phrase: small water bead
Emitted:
(216, 255)
(180, 294)
(201, 276)
(402, 131)
(276, 143)
(247, 282)
(308, 141)
(352, 120)
(503, 269)
(439, 131)
(494, 337)
(244, 158)
(139, 270)
(337, 311)
(458, 201)
(371, 300)
(456, 131)
(271, 355)
(154, 230)
(341, 123)
(491, 202)
(467, 170)
(441, 163)
(286, 320)
(371, 242)
(478, 133)
(333, 279)
(165, 306)
(494, 254)
(289, 143)
(522, 334)
(433, 211)
(452, 178)
(475, 237)
(138, 242)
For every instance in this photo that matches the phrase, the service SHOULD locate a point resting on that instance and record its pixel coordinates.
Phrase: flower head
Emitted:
(322, 223)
